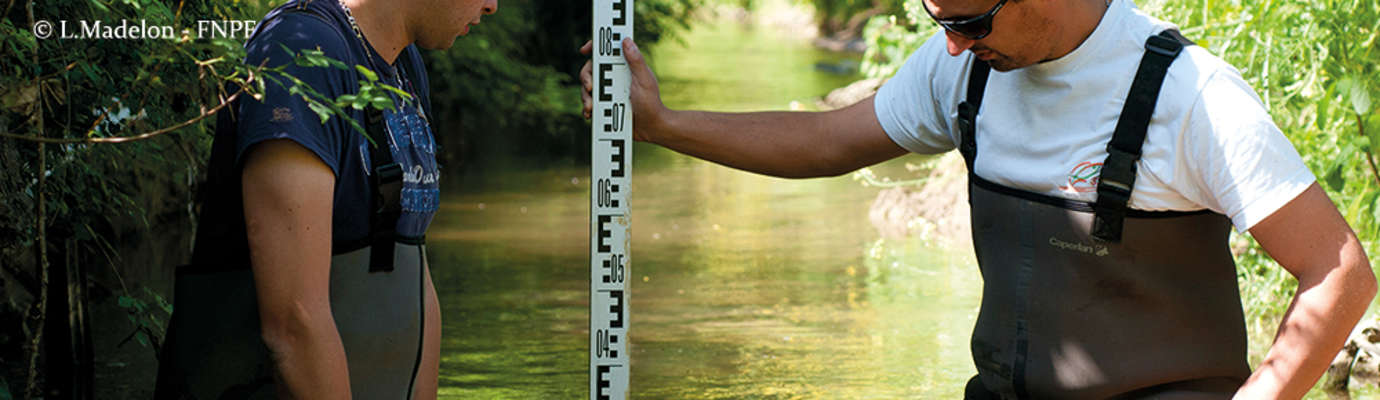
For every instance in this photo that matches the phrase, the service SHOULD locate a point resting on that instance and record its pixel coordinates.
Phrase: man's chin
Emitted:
(439, 44)
(1003, 64)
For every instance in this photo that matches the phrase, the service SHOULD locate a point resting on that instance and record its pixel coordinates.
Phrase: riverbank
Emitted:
(796, 21)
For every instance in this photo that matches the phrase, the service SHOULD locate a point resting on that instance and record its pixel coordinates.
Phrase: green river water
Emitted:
(742, 286)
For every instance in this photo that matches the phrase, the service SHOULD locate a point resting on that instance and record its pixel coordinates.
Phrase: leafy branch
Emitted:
(1370, 157)
(141, 136)
(372, 93)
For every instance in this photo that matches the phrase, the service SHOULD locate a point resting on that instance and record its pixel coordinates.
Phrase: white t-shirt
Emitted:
(1045, 128)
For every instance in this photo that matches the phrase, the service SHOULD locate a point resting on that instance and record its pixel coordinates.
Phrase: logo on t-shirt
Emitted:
(1083, 178)
(281, 114)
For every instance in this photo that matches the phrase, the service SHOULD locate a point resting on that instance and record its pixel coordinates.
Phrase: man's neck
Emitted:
(1078, 25)
(385, 29)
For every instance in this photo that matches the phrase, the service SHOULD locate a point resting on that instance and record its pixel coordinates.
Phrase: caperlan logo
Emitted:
(1098, 250)
(1083, 178)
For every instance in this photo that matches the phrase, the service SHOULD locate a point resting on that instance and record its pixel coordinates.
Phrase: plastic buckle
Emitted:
(967, 124)
(1115, 153)
(1164, 46)
(1110, 192)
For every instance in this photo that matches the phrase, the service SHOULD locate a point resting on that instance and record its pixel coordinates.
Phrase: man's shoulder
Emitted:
(1199, 76)
(1195, 66)
(297, 28)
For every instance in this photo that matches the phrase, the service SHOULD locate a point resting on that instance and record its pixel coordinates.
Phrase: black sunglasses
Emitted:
(973, 28)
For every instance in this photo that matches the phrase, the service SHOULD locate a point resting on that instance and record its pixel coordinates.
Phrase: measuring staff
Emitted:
(1107, 159)
(310, 248)
(609, 217)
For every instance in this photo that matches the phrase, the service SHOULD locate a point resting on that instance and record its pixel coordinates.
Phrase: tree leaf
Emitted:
(126, 301)
(368, 74)
(1360, 98)
(383, 102)
(321, 110)
(1333, 178)
(359, 102)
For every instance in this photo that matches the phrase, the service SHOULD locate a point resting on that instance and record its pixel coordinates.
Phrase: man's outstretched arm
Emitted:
(784, 144)
(1312, 241)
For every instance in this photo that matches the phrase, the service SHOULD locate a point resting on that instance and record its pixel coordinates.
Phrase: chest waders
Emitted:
(214, 348)
(1095, 301)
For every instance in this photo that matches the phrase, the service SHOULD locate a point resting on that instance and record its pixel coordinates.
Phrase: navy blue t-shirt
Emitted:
(323, 25)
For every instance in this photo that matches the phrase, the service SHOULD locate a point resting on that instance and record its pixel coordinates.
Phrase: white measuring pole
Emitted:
(611, 173)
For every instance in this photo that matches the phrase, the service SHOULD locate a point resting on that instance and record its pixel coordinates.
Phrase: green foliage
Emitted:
(80, 89)
(372, 92)
(891, 39)
(146, 314)
(85, 89)
(835, 15)
(511, 87)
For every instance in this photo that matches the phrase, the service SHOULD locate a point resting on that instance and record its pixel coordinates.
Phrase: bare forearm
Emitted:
(777, 143)
(1313, 329)
(310, 360)
(770, 143)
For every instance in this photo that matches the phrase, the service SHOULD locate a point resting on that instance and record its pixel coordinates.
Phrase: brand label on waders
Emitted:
(611, 180)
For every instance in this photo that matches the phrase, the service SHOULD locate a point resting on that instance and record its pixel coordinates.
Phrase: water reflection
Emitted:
(743, 286)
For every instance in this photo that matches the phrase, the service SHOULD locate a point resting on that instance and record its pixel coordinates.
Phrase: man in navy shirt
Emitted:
(295, 201)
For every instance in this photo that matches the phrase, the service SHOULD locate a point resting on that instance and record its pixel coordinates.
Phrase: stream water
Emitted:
(742, 286)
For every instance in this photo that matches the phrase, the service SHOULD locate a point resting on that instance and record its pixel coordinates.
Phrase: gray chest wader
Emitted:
(217, 350)
(1094, 301)
(214, 344)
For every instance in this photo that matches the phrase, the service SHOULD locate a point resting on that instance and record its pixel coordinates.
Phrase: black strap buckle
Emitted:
(1118, 171)
(1164, 45)
(388, 183)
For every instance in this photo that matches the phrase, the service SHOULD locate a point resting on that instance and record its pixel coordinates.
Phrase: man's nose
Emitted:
(958, 43)
(490, 7)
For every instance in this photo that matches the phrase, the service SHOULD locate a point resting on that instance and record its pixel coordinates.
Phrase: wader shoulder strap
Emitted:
(968, 110)
(1118, 176)
(386, 178)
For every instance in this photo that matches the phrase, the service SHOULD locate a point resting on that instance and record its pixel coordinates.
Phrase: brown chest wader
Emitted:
(214, 344)
(1095, 301)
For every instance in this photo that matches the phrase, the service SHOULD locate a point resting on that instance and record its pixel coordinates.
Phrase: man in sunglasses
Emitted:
(1108, 159)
